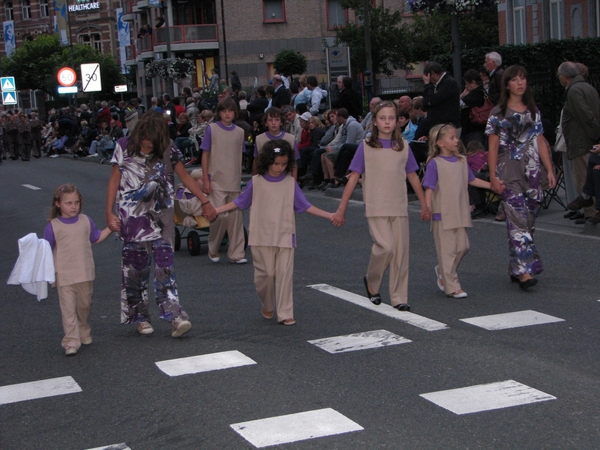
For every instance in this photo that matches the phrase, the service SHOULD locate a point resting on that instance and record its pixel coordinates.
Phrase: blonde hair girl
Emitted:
(446, 180)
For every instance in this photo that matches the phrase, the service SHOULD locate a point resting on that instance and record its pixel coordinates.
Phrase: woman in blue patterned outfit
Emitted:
(516, 148)
(142, 185)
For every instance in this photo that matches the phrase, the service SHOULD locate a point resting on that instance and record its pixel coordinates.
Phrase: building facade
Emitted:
(89, 26)
(532, 21)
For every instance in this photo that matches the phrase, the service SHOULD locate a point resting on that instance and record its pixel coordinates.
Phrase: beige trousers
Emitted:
(232, 222)
(273, 278)
(390, 248)
(451, 246)
(75, 305)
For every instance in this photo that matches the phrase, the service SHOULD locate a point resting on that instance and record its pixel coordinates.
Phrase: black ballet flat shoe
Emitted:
(403, 307)
(570, 214)
(525, 285)
(375, 298)
(514, 279)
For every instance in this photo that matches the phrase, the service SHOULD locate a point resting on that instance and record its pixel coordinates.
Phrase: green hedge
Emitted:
(541, 61)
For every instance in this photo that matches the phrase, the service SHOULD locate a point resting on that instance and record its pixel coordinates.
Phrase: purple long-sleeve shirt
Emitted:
(207, 139)
(244, 200)
(49, 231)
(431, 177)
(358, 162)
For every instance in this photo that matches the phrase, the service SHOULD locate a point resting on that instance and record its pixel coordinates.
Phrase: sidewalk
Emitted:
(550, 219)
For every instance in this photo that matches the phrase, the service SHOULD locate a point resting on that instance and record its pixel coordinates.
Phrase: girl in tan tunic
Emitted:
(70, 235)
(275, 197)
(386, 162)
(446, 194)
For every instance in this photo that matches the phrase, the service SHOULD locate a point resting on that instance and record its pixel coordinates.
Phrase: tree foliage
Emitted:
(35, 64)
(430, 33)
(290, 62)
(389, 49)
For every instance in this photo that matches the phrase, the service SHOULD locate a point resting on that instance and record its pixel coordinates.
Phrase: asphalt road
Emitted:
(125, 398)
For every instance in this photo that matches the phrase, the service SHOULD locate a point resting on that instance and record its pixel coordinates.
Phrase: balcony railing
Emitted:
(183, 34)
(145, 44)
(127, 6)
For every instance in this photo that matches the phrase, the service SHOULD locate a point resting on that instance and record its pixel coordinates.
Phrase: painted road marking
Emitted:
(386, 310)
(38, 389)
(295, 427)
(32, 187)
(122, 446)
(204, 363)
(512, 320)
(486, 397)
(359, 341)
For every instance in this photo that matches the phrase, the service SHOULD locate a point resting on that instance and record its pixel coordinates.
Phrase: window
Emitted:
(8, 7)
(274, 10)
(596, 3)
(93, 40)
(337, 16)
(576, 22)
(555, 9)
(519, 22)
(44, 11)
(26, 9)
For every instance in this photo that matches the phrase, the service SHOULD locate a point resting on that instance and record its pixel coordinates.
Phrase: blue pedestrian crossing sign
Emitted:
(9, 98)
(8, 84)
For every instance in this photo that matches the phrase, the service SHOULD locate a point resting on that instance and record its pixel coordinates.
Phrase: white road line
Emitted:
(295, 427)
(32, 187)
(486, 397)
(512, 320)
(386, 310)
(204, 363)
(359, 341)
(38, 389)
(122, 446)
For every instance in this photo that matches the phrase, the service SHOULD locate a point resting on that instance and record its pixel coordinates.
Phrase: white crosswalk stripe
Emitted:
(387, 310)
(359, 341)
(38, 389)
(122, 446)
(486, 397)
(295, 427)
(512, 320)
(204, 363)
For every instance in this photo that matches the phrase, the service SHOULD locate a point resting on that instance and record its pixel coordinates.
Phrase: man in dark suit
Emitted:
(441, 98)
(493, 63)
(281, 97)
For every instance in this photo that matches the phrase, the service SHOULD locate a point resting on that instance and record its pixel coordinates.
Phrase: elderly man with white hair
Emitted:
(493, 63)
(581, 129)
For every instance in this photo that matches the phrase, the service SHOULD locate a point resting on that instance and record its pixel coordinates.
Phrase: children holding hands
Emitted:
(275, 197)
(446, 181)
(142, 185)
(386, 162)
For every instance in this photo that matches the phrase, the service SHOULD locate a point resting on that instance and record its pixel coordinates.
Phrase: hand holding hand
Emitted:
(113, 222)
(209, 211)
(338, 219)
(497, 185)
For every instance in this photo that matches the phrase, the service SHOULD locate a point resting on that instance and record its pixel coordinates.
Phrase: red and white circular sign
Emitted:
(66, 76)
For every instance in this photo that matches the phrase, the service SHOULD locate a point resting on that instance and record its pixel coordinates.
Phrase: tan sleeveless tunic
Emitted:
(73, 258)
